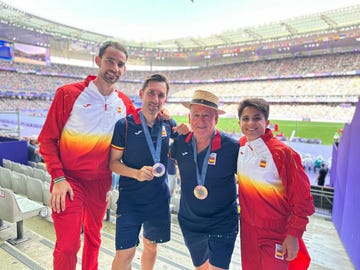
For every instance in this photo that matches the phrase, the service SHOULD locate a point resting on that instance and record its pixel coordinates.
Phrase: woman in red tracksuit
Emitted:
(274, 195)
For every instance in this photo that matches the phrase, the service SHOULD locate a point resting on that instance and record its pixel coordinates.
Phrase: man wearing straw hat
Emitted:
(207, 162)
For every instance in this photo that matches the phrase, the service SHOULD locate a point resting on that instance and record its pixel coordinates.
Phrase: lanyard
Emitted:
(201, 177)
(155, 153)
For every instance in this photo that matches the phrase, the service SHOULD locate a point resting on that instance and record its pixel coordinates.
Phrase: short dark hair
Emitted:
(114, 44)
(260, 104)
(157, 77)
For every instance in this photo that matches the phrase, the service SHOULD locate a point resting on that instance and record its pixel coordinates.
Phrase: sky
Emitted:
(156, 20)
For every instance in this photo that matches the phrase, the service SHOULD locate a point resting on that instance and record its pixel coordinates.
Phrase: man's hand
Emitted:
(165, 113)
(182, 128)
(290, 247)
(58, 195)
(145, 174)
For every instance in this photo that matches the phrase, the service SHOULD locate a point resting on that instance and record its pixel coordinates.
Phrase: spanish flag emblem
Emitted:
(262, 163)
(119, 110)
(163, 132)
(212, 159)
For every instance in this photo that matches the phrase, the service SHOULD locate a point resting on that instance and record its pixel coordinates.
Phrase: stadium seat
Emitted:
(112, 204)
(28, 170)
(42, 175)
(17, 167)
(19, 183)
(7, 163)
(5, 178)
(17, 208)
(41, 166)
(35, 189)
(46, 196)
(114, 196)
(32, 163)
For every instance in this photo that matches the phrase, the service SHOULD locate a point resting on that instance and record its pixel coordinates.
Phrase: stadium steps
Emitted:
(37, 252)
(321, 239)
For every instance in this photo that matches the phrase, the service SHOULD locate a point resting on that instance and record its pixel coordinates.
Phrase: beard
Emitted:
(110, 77)
(153, 108)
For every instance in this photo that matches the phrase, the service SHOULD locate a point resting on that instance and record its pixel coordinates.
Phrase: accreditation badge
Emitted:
(279, 252)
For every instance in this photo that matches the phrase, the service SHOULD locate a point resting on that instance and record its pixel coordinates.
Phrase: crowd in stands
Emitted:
(287, 67)
(17, 82)
(23, 104)
(338, 63)
(315, 113)
(325, 80)
(288, 90)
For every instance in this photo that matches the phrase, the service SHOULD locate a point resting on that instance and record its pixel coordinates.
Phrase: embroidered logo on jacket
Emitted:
(86, 105)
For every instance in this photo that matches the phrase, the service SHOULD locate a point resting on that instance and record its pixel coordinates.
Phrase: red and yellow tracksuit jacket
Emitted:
(76, 135)
(274, 190)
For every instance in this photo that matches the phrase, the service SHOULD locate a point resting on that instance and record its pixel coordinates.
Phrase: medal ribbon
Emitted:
(201, 177)
(155, 153)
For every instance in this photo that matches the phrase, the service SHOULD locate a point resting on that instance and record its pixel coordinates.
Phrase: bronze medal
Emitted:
(200, 192)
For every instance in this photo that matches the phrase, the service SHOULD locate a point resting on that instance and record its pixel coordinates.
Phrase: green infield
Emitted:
(315, 130)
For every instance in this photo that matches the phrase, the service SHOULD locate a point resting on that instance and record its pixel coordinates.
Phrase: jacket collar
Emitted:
(137, 119)
(216, 142)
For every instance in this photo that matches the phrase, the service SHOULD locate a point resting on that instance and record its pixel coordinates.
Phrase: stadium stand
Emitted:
(33, 183)
(22, 77)
(319, 87)
(329, 93)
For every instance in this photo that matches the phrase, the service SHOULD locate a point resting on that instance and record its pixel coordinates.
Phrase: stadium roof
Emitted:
(328, 21)
(19, 26)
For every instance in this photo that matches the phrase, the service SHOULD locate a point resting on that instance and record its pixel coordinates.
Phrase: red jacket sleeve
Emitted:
(56, 119)
(297, 187)
(130, 108)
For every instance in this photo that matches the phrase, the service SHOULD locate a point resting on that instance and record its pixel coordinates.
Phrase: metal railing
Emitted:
(323, 197)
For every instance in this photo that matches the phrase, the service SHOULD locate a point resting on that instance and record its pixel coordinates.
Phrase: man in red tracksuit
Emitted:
(75, 143)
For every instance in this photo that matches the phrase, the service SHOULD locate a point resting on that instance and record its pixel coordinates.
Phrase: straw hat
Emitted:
(33, 138)
(204, 98)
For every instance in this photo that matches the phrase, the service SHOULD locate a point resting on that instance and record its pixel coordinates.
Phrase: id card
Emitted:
(279, 253)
